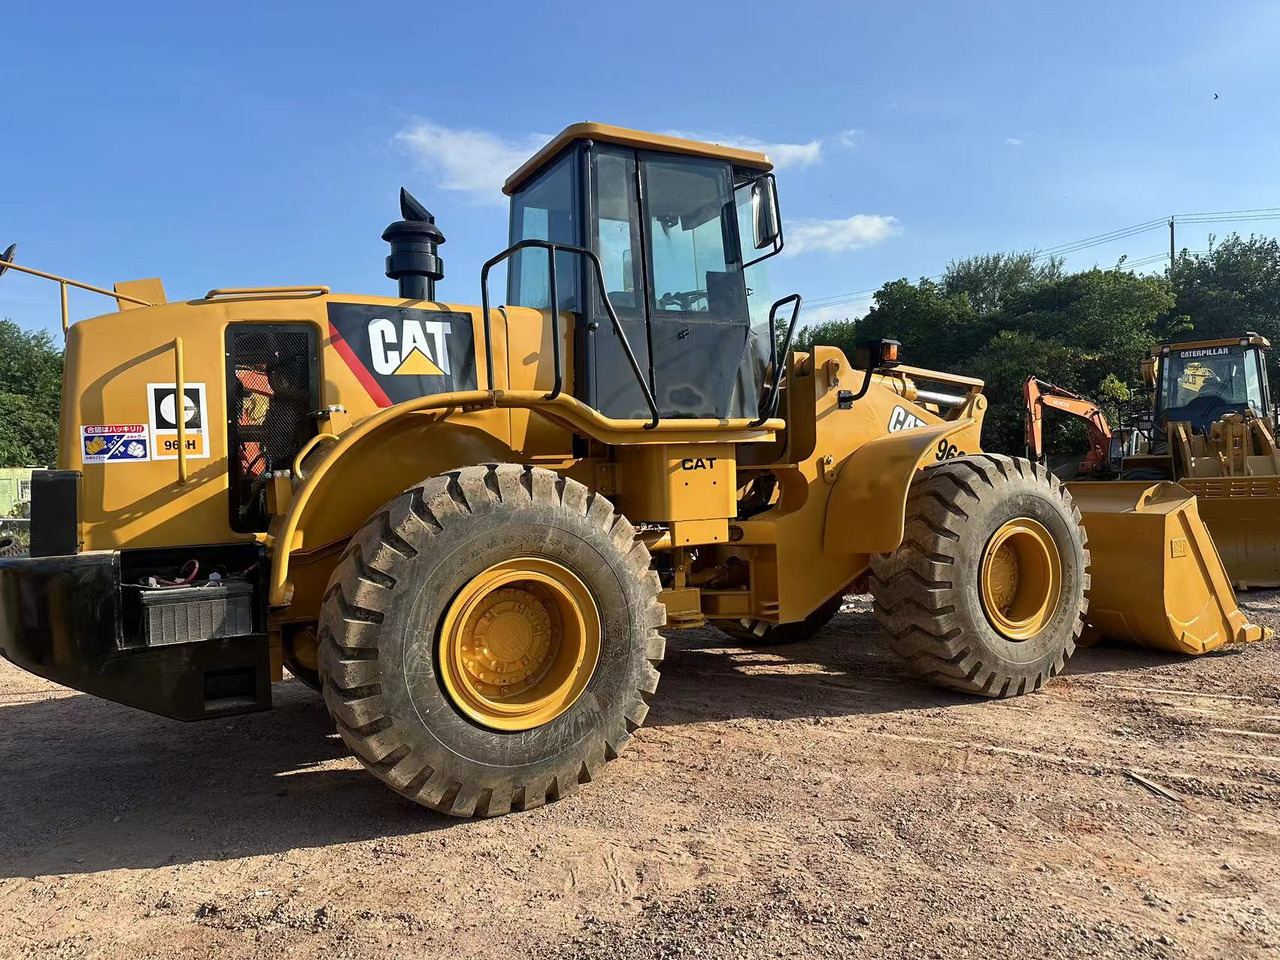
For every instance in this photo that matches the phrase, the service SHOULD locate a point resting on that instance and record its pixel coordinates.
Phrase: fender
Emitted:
(352, 477)
(461, 444)
(866, 512)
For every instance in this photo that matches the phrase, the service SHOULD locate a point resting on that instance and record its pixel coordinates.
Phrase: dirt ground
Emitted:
(809, 801)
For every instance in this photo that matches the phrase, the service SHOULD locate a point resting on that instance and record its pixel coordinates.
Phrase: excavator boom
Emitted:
(1039, 394)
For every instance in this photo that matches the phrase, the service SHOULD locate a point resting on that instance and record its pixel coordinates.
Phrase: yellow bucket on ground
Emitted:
(1243, 515)
(1156, 577)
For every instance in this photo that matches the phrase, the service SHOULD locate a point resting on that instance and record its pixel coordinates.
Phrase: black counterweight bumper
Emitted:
(70, 620)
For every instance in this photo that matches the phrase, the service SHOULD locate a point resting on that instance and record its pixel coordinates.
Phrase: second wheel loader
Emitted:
(1212, 430)
(470, 525)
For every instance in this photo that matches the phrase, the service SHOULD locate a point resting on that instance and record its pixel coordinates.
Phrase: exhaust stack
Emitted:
(414, 262)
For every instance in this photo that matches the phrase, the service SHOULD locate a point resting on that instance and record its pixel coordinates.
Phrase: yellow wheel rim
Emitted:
(1021, 579)
(519, 644)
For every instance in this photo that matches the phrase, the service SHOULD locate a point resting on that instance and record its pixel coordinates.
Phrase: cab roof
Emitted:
(605, 133)
(1245, 339)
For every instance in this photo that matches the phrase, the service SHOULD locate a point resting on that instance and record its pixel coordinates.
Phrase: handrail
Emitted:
(770, 406)
(552, 249)
(64, 282)
(180, 409)
(258, 291)
(306, 451)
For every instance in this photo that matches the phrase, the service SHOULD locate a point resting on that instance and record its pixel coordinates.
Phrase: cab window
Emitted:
(546, 209)
(616, 229)
(692, 237)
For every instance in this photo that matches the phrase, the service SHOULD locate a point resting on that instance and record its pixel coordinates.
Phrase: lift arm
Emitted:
(1038, 394)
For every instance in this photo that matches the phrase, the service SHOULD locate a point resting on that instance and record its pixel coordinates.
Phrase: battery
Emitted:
(184, 614)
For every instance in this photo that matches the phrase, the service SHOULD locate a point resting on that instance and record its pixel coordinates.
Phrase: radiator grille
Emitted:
(272, 391)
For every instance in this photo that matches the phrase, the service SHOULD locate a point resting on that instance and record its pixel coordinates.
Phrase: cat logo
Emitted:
(408, 349)
(401, 353)
(903, 419)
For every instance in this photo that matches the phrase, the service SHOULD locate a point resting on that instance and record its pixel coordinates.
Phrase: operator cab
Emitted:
(1200, 382)
(680, 229)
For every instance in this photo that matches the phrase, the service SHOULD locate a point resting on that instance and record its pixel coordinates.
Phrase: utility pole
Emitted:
(1172, 253)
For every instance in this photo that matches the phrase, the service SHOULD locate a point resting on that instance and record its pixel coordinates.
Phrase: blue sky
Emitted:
(234, 145)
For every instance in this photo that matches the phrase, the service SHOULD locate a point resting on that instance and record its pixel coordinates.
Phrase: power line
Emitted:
(1228, 213)
(1075, 245)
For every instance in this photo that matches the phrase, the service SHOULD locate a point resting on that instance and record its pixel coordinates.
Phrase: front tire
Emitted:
(986, 593)
(489, 639)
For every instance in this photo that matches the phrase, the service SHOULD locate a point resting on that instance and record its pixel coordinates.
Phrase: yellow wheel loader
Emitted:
(1214, 432)
(468, 525)
(1212, 429)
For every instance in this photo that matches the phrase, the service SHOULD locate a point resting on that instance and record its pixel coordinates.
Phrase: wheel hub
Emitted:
(509, 639)
(1021, 578)
(519, 644)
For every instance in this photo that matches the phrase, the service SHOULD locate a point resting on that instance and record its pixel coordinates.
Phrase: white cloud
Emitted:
(834, 236)
(1013, 141)
(477, 162)
(850, 138)
(783, 155)
(474, 162)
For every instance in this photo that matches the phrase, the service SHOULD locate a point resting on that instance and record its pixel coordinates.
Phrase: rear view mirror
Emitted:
(757, 203)
(764, 206)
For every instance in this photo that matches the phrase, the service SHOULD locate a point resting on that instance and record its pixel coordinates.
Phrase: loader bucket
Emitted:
(1243, 516)
(1157, 580)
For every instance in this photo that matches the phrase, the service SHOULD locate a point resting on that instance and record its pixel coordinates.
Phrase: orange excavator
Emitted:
(1039, 394)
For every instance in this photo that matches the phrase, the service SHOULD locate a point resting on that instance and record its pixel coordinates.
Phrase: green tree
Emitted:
(30, 396)
(992, 281)
(937, 329)
(1005, 317)
(1086, 332)
(829, 333)
(1233, 288)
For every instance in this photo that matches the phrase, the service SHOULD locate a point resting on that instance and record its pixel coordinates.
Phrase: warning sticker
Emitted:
(114, 443)
(161, 402)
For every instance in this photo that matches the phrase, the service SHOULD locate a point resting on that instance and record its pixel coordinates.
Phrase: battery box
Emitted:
(207, 612)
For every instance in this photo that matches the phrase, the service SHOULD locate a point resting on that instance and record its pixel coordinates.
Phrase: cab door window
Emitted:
(616, 229)
(692, 238)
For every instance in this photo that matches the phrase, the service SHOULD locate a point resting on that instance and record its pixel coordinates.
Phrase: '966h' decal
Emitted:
(903, 419)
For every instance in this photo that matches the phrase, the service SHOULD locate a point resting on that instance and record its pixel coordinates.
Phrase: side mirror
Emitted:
(764, 207)
(757, 201)
(7, 257)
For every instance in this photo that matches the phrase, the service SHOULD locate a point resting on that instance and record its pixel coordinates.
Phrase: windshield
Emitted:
(692, 236)
(1214, 376)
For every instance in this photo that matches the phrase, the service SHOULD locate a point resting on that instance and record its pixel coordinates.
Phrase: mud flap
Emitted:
(1157, 579)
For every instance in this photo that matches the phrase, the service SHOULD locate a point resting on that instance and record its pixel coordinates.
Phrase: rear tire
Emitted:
(776, 634)
(9, 547)
(412, 707)
(987, 592)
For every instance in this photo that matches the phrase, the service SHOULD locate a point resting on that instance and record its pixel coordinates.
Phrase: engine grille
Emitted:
(272, 391)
